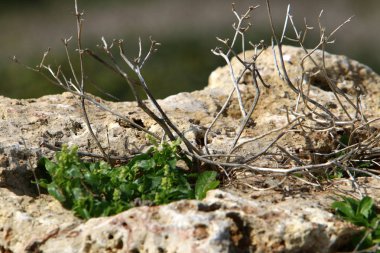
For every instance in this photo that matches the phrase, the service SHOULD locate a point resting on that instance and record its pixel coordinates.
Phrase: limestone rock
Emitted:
(222, 222)
(287, 219)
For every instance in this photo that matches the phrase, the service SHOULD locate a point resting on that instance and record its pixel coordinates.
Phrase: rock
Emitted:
(271, 110)
(222, 222)
(27, 222)
(290, 218)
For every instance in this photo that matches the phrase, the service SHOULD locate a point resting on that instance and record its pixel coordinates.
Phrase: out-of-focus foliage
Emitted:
(183, 62)
(179, 65)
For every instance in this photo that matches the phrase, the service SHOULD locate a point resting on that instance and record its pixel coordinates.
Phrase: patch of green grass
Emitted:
(97, 189)
(361, 213)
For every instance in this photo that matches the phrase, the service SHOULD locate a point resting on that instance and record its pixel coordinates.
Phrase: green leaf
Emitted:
(139, 157)
(376, 233)
(375, 224)
(50, 166)
(354, 203)
(54, 190)
(43, 183)
(83, 213)
(146, 164)
(359, 220)
(344, 208)
(354, 210)
(74, 172)
(360, 213)
(172, 163)
(91, 178)
(78, 193)
(365, 206)
(205, 182)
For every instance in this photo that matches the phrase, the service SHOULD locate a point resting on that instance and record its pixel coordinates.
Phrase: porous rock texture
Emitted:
(287, 219)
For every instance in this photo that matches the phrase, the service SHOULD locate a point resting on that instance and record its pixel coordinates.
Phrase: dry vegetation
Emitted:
(354, 141)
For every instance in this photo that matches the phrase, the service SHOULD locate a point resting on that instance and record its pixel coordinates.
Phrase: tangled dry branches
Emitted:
(356, 142)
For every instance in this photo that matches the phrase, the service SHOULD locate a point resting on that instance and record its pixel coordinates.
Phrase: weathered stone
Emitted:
(293, 218)
(222, 222)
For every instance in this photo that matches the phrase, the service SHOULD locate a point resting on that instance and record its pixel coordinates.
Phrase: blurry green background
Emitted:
(186, 29)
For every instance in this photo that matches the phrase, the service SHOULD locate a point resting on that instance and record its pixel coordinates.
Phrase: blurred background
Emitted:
(186, 29)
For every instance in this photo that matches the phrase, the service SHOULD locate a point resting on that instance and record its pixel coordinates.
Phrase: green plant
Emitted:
(205, 182)
(97, 189)
(361, 213)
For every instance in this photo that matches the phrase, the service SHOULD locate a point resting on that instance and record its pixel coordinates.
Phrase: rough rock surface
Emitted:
(281, 220)
(222, 222)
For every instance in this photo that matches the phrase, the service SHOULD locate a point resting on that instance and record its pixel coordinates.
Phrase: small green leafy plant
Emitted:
(97, 189)
(361, 213)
